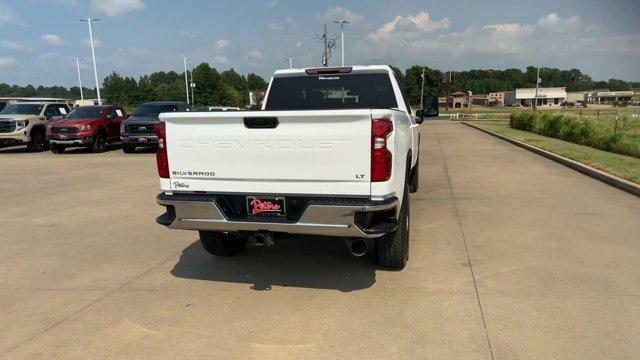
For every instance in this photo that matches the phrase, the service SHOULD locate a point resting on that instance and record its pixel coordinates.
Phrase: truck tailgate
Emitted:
(307, 152)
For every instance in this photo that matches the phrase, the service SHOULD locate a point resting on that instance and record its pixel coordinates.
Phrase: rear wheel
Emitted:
(128, 148)
(99, 144)
(38, 141)
(222, 244)
(393, 248)
(57, 149)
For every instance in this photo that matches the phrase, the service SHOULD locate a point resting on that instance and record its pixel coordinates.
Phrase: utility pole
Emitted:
(327, 45)
(79, 77)
(186, 81)
(290, 62)
(422, 90)
(325, 60)
(93, 55)
(535, 106)
(342, 21)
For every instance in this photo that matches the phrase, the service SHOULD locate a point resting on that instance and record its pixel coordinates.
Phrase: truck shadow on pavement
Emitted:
(295, 261)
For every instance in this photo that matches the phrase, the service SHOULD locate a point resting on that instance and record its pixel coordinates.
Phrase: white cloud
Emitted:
(50, 55)
(554, 23)
(618, 43)
(298, 44)
(12, 45)
(115, 8)
(222, 60)
(273, 26)
(271, 3)
(52, 39)
(338, 12)
(9, 17)
(407, 28)
(7, 62)
(186, 33)
(254, 55)
(221, 44)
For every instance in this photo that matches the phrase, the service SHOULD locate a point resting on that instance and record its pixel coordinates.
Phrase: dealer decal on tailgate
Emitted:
(264, 205)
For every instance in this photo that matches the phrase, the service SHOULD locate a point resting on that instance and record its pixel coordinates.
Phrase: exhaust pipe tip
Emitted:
(358, 247)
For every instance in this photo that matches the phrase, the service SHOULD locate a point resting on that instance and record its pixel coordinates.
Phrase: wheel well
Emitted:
(408, 170)
(37, 129)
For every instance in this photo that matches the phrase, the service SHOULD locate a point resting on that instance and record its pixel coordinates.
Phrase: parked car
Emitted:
(139, 129)
(334, 152)
(25, 123)
(93, 127)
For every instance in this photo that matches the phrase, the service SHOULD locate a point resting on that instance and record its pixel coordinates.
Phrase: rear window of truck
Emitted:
(331, 91)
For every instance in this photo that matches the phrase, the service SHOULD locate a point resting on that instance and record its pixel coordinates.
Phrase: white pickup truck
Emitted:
(333, 152)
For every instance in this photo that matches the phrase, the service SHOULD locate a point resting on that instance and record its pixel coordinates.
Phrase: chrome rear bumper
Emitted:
(329, 219)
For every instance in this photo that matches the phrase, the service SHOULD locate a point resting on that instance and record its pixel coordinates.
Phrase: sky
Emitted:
(39, 38)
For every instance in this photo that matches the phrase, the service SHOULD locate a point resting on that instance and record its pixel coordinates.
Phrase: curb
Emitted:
(600, 175)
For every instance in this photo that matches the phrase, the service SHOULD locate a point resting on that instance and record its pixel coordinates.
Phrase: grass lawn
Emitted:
(623, 166)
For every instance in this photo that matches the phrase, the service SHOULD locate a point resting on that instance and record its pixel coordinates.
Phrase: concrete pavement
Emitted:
(512, 257)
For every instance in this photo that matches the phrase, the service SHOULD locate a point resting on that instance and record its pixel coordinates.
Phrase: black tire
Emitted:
(415, 178)
(56, 149)
(393, 248)
(38, 141)
(128, 148)
(99, 144)
(222, 244)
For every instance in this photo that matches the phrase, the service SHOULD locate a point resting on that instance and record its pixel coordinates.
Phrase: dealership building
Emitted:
(609, 97)
(551, 96)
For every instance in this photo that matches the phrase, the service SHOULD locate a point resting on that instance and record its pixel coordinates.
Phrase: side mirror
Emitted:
(419, 117)
(430, 107)
(110, 117)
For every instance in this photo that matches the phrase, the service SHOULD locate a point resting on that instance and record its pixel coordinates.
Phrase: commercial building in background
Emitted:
(609, 97)
(85, 102)
(576, 96)
(551, 96)
(497, 97)
(480, 99)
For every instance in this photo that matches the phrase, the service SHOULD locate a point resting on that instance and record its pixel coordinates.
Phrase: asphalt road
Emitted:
(512, 257)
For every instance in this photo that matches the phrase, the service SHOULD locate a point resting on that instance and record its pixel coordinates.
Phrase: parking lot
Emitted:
(512, 257)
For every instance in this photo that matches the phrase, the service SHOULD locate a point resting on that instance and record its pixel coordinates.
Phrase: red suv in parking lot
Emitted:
(93, 127)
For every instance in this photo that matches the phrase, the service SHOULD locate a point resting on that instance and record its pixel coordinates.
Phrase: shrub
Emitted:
(550, 124)
(522, 120)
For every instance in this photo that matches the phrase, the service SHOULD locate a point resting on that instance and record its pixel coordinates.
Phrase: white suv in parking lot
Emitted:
(26, 123)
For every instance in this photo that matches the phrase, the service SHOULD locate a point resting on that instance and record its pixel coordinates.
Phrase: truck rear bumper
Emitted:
(321, 216)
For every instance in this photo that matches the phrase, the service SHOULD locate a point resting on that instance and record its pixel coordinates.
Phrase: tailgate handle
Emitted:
(261, 122)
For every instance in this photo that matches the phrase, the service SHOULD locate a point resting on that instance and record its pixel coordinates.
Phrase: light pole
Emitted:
(342, 22)
(193, 89)
(290, 62)
(79, 77)
(422, 89)
(93, 55)
(186, 81)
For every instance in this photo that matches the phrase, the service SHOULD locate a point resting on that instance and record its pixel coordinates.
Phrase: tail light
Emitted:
(161, 156)
(381, 157)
